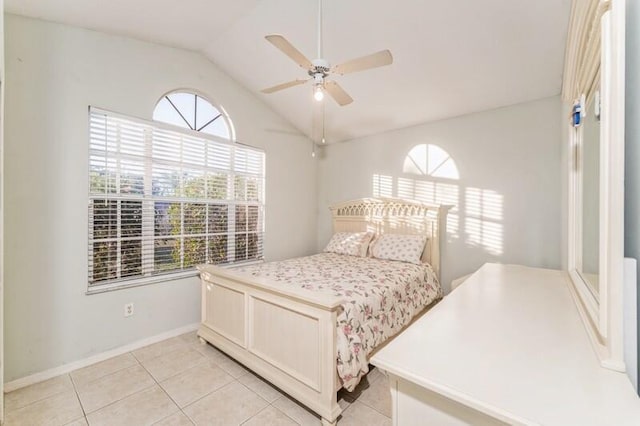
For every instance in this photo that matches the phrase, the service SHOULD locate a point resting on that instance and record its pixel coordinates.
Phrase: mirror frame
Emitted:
(602, 315)
(590, 298)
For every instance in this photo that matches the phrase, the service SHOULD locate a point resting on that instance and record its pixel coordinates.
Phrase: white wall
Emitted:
(54, 73)
(565, 131)
(508, 196)
(2, 73)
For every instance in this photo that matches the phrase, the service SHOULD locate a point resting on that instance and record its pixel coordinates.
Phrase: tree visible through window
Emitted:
(163, 200)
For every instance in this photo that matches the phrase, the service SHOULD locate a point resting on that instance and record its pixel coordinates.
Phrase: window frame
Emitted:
(223, 114)
(145, 198)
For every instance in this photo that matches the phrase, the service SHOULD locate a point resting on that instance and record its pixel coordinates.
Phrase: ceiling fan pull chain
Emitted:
(323, 140)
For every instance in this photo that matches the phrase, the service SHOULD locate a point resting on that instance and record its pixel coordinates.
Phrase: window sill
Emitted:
(158, 279)
(140, 282)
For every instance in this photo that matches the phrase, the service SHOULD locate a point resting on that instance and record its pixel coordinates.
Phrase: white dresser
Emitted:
(507, 347)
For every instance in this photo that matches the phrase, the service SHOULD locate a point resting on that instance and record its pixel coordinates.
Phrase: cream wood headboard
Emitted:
(394, 215)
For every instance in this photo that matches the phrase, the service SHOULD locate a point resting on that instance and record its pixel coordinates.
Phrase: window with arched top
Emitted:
(430, 160)
(192, 111)
(430, 175)
(165, 198)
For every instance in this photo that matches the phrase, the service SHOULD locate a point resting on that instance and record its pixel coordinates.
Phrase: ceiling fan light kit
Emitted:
(319, 69)
(318, 94)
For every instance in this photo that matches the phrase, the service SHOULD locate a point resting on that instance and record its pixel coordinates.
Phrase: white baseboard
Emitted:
(67, 368)
(456, 283)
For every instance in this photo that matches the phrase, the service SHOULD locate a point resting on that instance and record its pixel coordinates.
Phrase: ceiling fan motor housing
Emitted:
(320, 68)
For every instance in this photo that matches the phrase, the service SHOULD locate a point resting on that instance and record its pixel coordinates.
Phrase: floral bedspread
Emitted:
(382, 297)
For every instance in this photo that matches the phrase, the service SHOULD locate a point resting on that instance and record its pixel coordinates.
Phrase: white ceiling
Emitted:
(450, 57)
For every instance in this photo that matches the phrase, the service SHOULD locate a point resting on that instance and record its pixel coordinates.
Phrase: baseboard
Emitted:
(456, 283)
(67, 368)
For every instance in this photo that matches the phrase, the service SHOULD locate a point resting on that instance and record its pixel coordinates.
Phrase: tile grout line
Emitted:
(286, 415)
(117, 400)
(187, 416)
(75, 390)
(137, 362)
(380, 377)
(213, 391)
(73, 383)
(206, 359)
(180, 409)
(222, 387)
(179, 346)
(4, 395)
(154, 357)
(75, 387)
(187, 345)
(270, 405)
(282, 395)
(202, 397)
(166, 393)
(140, 363)
(53, 396)
(373, 408)
(102, 377)
(255, 393)
(237, 379)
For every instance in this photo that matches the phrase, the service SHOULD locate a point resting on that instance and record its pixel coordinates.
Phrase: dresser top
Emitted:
(509, 342)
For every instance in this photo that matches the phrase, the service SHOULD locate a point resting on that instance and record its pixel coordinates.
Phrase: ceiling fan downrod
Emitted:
(321, 66)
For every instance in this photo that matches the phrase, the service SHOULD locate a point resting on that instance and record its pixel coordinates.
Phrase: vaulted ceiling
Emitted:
(450, 57)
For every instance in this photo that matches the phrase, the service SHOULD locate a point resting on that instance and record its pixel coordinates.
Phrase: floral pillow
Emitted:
(350, 243)
(405, 248)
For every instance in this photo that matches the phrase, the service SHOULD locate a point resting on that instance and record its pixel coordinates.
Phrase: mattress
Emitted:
(381, 297)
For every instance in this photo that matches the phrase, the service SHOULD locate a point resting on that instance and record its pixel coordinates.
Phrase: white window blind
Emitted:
(162, 200)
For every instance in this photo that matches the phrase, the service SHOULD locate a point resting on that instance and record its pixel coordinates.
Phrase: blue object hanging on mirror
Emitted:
(577, 114)
(578, 111)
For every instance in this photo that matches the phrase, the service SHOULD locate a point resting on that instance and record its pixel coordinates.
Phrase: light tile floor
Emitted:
(180, 382)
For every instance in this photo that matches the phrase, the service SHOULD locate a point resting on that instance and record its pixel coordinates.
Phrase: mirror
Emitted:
(590, 188)
(595, 225)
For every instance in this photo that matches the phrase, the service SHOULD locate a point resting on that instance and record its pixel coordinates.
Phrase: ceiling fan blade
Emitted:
(337, 93)
(283, 86)
(374, 60)
(288, 49)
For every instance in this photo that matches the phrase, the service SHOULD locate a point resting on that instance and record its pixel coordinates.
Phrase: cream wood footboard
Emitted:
(287, 336)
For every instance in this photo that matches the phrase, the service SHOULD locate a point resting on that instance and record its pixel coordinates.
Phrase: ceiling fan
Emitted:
(319, 69)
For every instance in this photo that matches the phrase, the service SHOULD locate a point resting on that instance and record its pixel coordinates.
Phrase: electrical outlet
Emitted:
(128, 309)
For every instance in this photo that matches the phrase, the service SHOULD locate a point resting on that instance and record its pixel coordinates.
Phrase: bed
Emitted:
(308, 325)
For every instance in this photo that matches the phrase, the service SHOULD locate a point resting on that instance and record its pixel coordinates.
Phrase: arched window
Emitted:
(430, 176)
(430, 160)
(163, 199)
(192, 111)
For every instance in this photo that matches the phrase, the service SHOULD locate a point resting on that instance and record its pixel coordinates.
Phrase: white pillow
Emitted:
(405, 248)
(350, 243)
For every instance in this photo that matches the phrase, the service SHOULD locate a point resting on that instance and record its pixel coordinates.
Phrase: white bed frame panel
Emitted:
(288, 335)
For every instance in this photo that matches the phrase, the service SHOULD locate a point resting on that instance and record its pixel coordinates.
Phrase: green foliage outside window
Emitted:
(186, 233)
